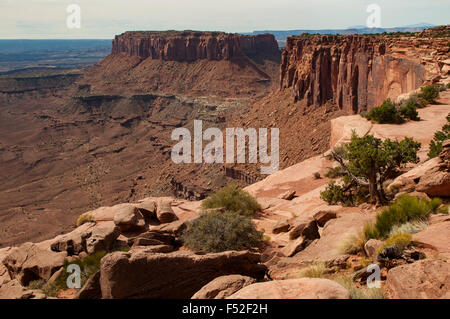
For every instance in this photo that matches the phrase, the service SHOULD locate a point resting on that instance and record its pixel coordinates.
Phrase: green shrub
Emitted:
(88, 266)
(409, 111)
(448, 84)
(438, 139)
(385, 113)
(406, 208)
(444, 209)
(401, 240)
(232, 199)
(216, 232)
(333, 194)
(429, 93)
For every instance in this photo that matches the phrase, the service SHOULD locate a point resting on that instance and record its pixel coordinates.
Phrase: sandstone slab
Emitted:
(304, 288)
(139, 274)
(224, 286)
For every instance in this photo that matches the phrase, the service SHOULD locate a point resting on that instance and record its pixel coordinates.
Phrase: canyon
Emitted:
(84, 138)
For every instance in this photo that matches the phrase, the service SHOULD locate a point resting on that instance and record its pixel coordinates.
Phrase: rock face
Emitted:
(427, 279)
(191, 46)
(224, 286)
(436, 181)
(139, 274)
(355, 72)
(304, 288)
(30, 262)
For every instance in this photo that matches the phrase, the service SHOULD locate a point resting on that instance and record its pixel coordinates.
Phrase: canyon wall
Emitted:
(357, 72)
(191, 46)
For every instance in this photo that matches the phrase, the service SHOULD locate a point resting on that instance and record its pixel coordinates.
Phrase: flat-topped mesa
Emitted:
(355, 72)
(191, 45)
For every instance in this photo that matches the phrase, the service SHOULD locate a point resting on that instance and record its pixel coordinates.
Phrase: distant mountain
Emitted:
(281, 35)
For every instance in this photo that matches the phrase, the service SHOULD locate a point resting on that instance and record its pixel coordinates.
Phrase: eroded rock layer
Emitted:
(191, 46)
(359, 72)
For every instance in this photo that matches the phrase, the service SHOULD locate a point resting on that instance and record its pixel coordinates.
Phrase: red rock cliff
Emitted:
(191, 46)
(357, 72)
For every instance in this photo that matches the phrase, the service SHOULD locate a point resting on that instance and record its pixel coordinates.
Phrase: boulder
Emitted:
(147, 207)
(102, 237)
(29, 262)
(128, 217)
(74, 242)
(224, 286)
(178, 275)
(436, 235)
(155, 249)
(304, 227)
(288, 195)
(294, 246)
(281, 226)
(91, 289)
(323, 216)
(14, 290)
(371, 247)
(436, 181)
(164, 212)
(174, 228)
(425, 279)
(152, 237)
(304, 288)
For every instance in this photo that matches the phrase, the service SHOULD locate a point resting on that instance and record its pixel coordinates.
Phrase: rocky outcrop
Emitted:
(357, 72)
(14, 290)
(426, 279)
(192, 46)
(224, 286)
(30, 262)
(436, 181)
(139, 274)
(304, 288)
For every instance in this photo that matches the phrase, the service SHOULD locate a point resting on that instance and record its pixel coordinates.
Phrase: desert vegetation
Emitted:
(405, 209)
(225, 224)
(232, 199)
(220, 231)
(439, 138)
(397, 113)
(365, 164)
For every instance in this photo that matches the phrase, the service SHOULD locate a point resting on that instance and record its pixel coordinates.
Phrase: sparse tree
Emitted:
(368, 161)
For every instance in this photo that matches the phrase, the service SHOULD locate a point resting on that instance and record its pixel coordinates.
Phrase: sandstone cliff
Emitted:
(359, 72)
(192, 46)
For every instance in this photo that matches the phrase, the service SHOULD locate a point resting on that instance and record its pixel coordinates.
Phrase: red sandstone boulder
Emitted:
(140, 274)
(304, 288)
(222, 287)
(426, 279)
(29, 262)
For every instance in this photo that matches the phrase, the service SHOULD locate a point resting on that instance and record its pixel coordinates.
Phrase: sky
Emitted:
(46, 19)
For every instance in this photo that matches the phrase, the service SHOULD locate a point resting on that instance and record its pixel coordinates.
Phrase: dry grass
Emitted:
(316, 270)
(353, 244)
(358, 292)
(85, 218)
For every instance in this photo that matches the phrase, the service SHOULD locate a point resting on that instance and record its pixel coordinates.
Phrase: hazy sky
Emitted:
(105, 18)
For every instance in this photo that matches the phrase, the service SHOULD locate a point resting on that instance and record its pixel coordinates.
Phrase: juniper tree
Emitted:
(368, 161)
